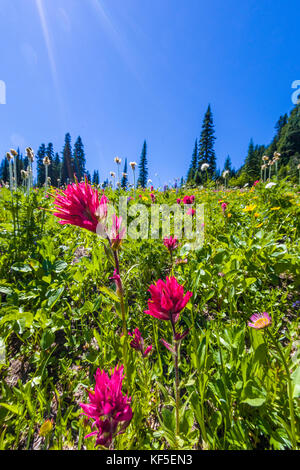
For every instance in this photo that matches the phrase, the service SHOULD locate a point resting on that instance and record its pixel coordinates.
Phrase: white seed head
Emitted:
(204, 166)
(30, 153)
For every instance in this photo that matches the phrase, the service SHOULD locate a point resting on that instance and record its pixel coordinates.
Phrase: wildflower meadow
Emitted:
(136, 343)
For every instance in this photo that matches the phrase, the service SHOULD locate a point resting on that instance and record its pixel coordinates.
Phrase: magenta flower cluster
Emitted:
(108, 407)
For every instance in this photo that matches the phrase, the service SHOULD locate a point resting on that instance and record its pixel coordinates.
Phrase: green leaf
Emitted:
(17, 316)
(252, 395)
(55, 296)
(260, 354)
(5, 290)
(47, 339)
(98, 338)
(250, 280)
(168, 418)
(296, 382)
(110, 293)
(12, 408)
(59, 266)
(21, 267)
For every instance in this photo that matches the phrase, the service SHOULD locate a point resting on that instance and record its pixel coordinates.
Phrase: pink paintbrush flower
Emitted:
(171, 243)
(260, 320)
(79, 205)
(167, 300)
(108, 407)
(189, 199)
(224, 206)
(116, 234)
(138, 343)
(117, 278)
(191, 212)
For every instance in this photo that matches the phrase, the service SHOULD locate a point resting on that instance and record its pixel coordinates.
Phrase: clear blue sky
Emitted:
(117, 72)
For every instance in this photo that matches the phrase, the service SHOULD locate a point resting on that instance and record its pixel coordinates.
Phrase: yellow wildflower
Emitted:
(46, 427)
(229, 214)
(249, 208)
(256, 214)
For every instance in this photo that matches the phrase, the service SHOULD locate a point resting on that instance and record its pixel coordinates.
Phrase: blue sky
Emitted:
(117, 72)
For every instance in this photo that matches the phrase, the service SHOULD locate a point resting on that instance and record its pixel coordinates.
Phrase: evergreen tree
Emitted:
(105, 183)
(67, 163)
(41, 153)
(20, 166)
(289, 141)
(88, 176)
(50, 155)
(56, 170)
(96, 179)
(282, 121)
(124, 181)
(79, 159)
(143, 168)
(227, 165)
(194, 164)
(253, 162)
(4, 170)
(249, 166)
(206, 144)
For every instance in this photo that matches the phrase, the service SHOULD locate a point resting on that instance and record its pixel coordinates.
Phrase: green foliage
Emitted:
(60, 321)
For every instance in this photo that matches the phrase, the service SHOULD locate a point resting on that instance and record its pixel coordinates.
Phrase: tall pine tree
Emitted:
(50, 155)
(79, 159)
(252, 167)
(67, 162)
(206, 144)
(4, 170)
(227, 165)
(143, 168)
(96, 178)
(56, 170)
(41, 153)
(124, 181)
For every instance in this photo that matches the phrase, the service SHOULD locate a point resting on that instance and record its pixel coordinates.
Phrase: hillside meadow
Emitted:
(208, 358)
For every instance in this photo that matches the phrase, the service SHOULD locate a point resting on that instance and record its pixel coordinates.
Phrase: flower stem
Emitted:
(290, 390)
(177, 396)
(122, 305)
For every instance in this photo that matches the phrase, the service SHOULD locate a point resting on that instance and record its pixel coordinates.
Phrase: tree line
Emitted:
(286, 142)
(72, 161)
